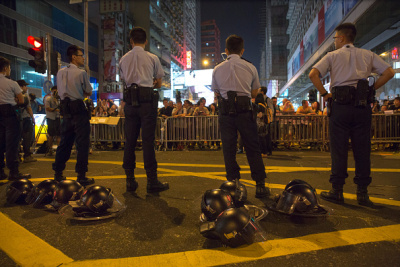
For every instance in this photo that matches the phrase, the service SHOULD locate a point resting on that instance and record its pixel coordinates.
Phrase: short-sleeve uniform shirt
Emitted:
(73, 82)
(349, 64)
(9, 89)
(140, 67)
(235, 74)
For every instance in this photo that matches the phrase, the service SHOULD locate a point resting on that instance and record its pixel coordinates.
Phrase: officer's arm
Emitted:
(20, 98)
(314, 77)
(384, 78)
(254, 93)
(158, 83)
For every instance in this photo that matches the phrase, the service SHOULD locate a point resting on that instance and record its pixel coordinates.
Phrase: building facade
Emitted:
(64, 24)
(210, 44)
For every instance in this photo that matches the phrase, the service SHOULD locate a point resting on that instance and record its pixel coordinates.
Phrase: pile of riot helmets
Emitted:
(68, 197)
(225, 216)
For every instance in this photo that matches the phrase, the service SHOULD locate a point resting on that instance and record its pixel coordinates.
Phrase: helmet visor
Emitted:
(287, 202)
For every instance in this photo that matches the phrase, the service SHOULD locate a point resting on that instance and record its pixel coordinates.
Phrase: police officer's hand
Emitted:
(327, 97)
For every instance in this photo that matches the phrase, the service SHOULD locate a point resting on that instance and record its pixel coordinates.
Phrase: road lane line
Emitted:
(25, 248)
(257, 251)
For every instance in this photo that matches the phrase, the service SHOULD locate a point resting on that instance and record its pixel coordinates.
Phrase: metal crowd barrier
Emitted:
(286, 129)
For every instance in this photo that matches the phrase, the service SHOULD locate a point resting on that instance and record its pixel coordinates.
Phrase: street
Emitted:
(163, 229)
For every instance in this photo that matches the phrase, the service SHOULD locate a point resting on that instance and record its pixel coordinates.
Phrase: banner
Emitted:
(333, 15)
(310, 40)
(321, 25)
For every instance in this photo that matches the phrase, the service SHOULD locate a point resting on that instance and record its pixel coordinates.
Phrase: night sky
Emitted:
(239, 17)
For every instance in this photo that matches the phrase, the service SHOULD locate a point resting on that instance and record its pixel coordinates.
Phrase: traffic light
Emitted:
(37, 51)
(312, 95)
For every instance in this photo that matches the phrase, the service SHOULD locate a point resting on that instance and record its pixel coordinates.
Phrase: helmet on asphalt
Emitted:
(98, 198)
(214, 202)
(298, 196)
(237, 191)
(235, 227)
(43, 193)
(67, 190)
(18, 190)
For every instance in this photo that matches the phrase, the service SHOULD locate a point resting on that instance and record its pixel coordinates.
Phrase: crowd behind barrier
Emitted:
(285, 130)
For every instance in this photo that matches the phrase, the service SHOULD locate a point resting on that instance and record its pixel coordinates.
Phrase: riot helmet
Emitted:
(18, 190)
(214, 202)
(42, 194)
(237, 191)
(67, 190)
(97, 198)
(298, 197)
(235, 227)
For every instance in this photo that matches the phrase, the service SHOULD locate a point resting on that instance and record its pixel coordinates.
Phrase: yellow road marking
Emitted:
(257, 251)
(25, 248)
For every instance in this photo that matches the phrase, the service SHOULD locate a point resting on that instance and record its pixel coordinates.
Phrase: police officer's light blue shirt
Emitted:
(9, 89)
(235, 74)
(349, 64)
(140, 67)
(73, 82)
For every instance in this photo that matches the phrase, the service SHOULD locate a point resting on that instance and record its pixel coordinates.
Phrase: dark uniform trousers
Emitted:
(145, 117)
(27, 133)
(76, 128)
(10, 135)
(247, 127)
(346, 122)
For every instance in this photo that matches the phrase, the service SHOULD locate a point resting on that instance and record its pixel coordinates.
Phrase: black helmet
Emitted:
(43, 193)
(297, 181)
(18, 190)
(214, 202)
(298, 196)
(67, 190)
(235, 227)
(97, 198)
(237, 190)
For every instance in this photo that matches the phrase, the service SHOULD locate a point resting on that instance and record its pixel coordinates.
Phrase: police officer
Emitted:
(351, 111)
(138, 68)
(73, 86)
(235, 81)
(28, 122)
(10, 130)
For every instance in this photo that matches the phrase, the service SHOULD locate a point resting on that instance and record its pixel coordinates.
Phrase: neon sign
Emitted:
(188, 59)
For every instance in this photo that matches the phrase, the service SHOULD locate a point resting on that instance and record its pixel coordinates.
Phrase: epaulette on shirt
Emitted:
(246, 60)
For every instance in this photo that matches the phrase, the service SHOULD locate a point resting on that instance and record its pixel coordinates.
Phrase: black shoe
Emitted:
(262, 191)
(157, 186)
(3, 175)
(131, 185)
(363, 200)
(240, 151)
(85, 181)
(17, 176)
(335, 196)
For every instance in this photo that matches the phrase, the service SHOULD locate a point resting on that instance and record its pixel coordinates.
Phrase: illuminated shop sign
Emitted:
(188, 59)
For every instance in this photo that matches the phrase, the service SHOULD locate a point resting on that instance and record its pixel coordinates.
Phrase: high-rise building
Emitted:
(273, 63)
(171, 28)
(210, 44)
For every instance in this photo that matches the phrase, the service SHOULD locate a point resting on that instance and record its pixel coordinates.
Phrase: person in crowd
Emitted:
(113, 111)
(349, 67)
(261, 123)
(384, 108)
(34, 103)
(269, 118)
(201, 110)
(178, 112)
(304, 108)
(213, 129)
(376, 108)
(121, 107)
(316, 107)
(10, 130)
(240, 77)
(141, 68)
(73, 86)
(28, 123)
(165, 111)
(52, 105)
(287, 107)
(396, 104)
(189, 107)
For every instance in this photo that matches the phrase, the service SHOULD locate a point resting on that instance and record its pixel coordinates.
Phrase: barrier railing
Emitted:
(284, 130)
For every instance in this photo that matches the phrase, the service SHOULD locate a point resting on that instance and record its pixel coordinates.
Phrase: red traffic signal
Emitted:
(37, 42)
